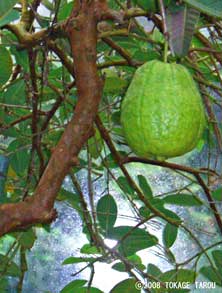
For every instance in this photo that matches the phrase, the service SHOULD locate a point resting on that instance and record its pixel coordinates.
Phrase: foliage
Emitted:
(38, 93)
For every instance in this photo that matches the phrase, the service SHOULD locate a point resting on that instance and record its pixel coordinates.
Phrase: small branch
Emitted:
(39, 207)
(207, 44)
(162, 164)
(212, 117)
(195, 172)
(62, 55)
(119, 50)
(119, 160)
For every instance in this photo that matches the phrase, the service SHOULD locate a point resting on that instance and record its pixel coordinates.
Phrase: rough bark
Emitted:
(38, 208)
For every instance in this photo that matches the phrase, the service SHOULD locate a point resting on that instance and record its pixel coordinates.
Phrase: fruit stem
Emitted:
(165, 51)
(164, 25)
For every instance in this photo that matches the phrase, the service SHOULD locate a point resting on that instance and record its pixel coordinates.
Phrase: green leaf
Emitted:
(125, 286)
(89, 249)
(113, 83)
(5, 65)
(134, 259)
(106, 212)
(217, 194)
(183, 200)
(182, 275)
(65, 11)
(3, 285)
(147, 191)
(72, 260)
(73, 286)
(5, 10)
(49, 5)
(210, 7)
(144, 212)
(159, 205)
(211, 274)
(170, 215)
(19, 158)
(95, 144)
(169, 235)
(124, 185)
(150, 5)
(91, 290)
(27, 238)
(154, 270)
(8, 267)
(180, 26)
(132, 239)
(15, 93)
(12, 15)
(217, 257)
(21, 57)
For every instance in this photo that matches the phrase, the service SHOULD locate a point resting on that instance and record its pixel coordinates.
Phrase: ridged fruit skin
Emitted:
(162, 113)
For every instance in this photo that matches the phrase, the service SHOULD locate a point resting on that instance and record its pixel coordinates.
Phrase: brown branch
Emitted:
(19, 120)
(190, 170)
(204, 40)
(162, 164)
(119, 160)
(213, 119)
(120, 50)
(39, 207)
(62, 55)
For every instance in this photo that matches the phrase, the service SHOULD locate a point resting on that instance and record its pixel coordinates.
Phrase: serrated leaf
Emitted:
(5, 65)
(183, 200)
(180, 27)
(132, 239)
(210, 7)
(169, 234)
(106, 212)
(127, 285)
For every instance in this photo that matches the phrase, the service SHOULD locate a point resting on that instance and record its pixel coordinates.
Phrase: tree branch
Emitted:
(39, 207)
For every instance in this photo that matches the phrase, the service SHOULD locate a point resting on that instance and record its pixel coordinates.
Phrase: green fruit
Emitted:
(162, 113)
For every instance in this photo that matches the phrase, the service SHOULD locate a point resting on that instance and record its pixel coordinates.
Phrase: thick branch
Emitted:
(39, 207)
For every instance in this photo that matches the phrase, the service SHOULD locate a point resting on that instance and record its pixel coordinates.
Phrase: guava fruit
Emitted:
(162, 113)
